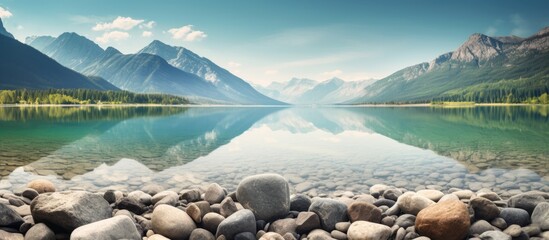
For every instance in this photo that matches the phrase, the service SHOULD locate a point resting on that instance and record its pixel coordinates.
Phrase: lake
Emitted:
(319, 150)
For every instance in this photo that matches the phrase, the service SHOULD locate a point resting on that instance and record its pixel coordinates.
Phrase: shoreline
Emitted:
(276, 106)
(262, 208)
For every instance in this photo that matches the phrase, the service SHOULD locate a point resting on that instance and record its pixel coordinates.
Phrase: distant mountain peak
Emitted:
(478, 47)
(336, 79)
(543, 31)
(112, 50)
(3, 30)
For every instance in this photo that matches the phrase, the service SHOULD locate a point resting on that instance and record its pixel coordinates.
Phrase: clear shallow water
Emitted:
(317, 149)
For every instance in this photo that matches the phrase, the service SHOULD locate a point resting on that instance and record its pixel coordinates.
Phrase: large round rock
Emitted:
(119, 227)
(69, 210)
(266, 195)
(239, 222)
(172, 222)
(448, 220)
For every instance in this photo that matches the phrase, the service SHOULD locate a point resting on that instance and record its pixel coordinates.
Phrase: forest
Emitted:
(85, 96)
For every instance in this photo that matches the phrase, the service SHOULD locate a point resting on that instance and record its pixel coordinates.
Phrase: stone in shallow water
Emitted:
(172, 222)
(69, 210)
(266, 195)
(118, 227)
(41, 185)
(445, 220)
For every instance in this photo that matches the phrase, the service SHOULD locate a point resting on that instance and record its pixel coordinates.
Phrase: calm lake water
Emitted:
(319, 150)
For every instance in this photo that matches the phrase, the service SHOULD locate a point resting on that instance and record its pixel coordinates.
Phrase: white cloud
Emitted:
(112, 37)
(491, 31)
(520, 27)
(234, 64)
(124, 23)
(147, 34)
(4, 13)
(186, 33)
(271, 72)
(333, 73)
(148, 25)
(20, 27)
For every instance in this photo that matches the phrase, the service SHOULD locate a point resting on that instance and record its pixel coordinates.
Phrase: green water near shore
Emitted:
(506, 147)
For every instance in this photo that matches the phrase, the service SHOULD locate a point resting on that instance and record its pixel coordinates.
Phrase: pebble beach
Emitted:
(263, 206)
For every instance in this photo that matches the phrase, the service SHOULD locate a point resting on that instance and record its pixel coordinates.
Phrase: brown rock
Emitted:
(364, 211)
(484, 208)
(307, 221)
(448, 220)
(41, 185)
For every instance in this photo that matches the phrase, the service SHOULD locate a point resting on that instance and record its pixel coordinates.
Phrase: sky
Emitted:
(263, 41)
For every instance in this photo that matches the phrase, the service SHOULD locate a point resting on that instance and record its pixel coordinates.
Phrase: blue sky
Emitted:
(263, 41)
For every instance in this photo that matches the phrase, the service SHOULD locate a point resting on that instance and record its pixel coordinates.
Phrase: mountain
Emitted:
(483, 69)
(73, 51)
(3, 31)
(141, 73)
(39, 42)
(230, 85)
(22, 66)
(146, 73)
(289, 91)
(306, 91)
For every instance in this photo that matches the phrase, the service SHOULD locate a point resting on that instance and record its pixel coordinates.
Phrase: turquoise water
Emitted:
(317, 149)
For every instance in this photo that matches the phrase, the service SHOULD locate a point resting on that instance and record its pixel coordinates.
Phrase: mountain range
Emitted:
(483, 69)
(307, 91)
(22, 66)
(157, 68)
